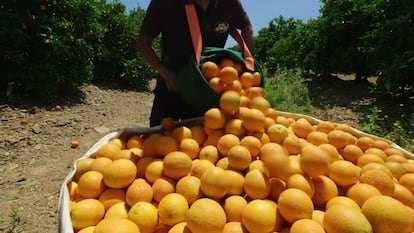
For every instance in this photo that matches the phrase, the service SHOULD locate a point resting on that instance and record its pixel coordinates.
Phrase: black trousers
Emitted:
(169, 104)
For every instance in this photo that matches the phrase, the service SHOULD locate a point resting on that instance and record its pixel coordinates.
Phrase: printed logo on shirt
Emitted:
(221, 27)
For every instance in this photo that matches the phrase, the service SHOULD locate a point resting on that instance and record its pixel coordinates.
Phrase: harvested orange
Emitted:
(235, 127)
(306, 225)
(214, 118)
(139, 190)
(172, 209)
(295, 204)
(198, 134)
(239, 157)
(302, 127)
(214, 182)
(260, 103)
(229, 102)
(190, 146)
(361, 192)
(344, 219)
(365, 142)
(259, 216)
(317, 138)
(107, 150)
(120, 173)
(252, 143)
(233, 206)
(206, 216)
(87, 212)
(82, 166)
(314, 160)
(177, 164)
(91, 184)
(301, 182)
(343, 172)
(134, 142)
(100, 163)
(325, 189)
(339, 138)
(342, 200)
(144, 215)
(325, 126)
(226, 142)
(189, 188)
(234, 227)
(256, 184)
(199, 166)
(253, 120)
(209, 69)
(116, 225)
(380, 180)
(118, 210)
(352, 153)
(217, 85)
(277, 133)
(228, 74)
(111, 196)
(161, 187)
(247, 79)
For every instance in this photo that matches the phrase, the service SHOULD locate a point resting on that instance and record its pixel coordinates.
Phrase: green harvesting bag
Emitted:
(194, 87)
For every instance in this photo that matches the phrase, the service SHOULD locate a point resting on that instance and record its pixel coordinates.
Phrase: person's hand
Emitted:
(170, 80)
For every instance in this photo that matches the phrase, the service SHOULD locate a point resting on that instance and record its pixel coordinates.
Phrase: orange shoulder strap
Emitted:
(194, 26)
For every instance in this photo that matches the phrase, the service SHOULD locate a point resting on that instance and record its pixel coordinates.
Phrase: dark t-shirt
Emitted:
(168, 18)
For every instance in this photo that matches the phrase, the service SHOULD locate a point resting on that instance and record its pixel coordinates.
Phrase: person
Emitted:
(168, 19)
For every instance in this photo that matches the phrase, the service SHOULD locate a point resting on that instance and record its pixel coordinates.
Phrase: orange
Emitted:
(342, 200)
(179, 228)
(149, 145)
(236, 182)
(214, 183)
(257, 184)
(343, 172)
(189, 188)
(144, 215)
(91, 184)
(234, 227)
(82, 165)
(393, 151)
(214, 118)
(380, 180)
(213, 137)
(407, 180)
(369, 158)
(142, 164)
(181, 132)
(259, 216)
(118, 210)
(177, 164)
(396, 158)
(107, 150)
(252, 143)
(352, 153)
(325, 189)
(257, 79)
(262, 136)
(317, 138)
(306, 225)
(217, 85)
(375, 166)
(111, 196)
(190, 146)
(365, 142)
(339, 138)
(381, 144)
(301, 182)
(228, 74)
(226, 142)
(325, 126)
(244, 101)
(396, 169)
(274, 157)
(198, 134)
(87, 212)
(129, 154)
(332, 151)
(89, 229)
(172, 209)
(120, 173)
(344, 219)
(224, 62)
(302, 127)
(283, 121)
(234, 86)
(116, 225)
(119, 142)
(165, 144)
(294, 204)
(239, 157)
(277, 133)
(233, 206)
(209, 69)
(253, 120)
(404, 195)
(292, 167)
(167, 123)
(161, 187)
(387, 214)
(139, 190)
(260, 103)
(239, 67)
(314, 160)
(210, 153)
(259, 164)
(134, 142)
(235, 127)
(72, 187)
(317, 216)
(229, 102)
(154, 170)
(100, 163)
(292, 144)
(199, 166)
(377, 152)
(277, 187)
(272, 113)
(247, 79)
(206, 216)
(360, 192)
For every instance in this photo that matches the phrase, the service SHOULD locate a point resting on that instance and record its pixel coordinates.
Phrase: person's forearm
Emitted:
(247, 34)
(149, 55)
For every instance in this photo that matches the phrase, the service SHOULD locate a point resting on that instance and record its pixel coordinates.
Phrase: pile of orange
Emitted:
(244, 168)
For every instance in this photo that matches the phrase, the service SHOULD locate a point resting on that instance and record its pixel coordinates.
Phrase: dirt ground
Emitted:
(36, 153)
